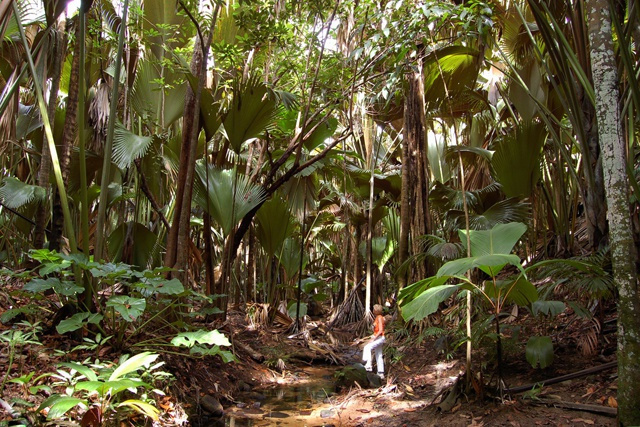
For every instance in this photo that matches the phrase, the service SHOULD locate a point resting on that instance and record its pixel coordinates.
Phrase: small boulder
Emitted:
(349, 375)
(212, 405)
(374, 380)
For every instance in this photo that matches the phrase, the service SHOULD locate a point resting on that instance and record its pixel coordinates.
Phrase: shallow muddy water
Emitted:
(304, 399)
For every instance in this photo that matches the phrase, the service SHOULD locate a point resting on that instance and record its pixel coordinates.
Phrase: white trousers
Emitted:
(374, 345)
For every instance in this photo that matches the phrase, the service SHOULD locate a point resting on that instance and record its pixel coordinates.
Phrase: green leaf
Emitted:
(293, 307)
(61, 404)
(490, 264)
(274, 224)
(84, 370)
(15, 194)
(499, 240)
(162, 286)
(548, 308)
(517, 159)
(145, 242)
(227, 196)
(127, 146)
(78, 321)
(201, 336)
(142, 408)
(251, 112)
(37, 286)
(520, 292)
(133, 364)
(129, 308)
(110, 387)
(321, 133)
(199, 350)
(427, 302)
(540, 351)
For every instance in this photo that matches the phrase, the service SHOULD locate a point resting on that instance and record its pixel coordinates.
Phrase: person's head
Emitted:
(377, 309)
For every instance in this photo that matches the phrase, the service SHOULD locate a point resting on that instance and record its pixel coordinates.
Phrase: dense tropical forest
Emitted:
(203, 199)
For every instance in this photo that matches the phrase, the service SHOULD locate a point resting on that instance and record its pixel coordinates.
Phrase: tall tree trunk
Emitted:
(59, 38)
(414, 205)
(405, 208)
(178, 237)
(68, 138)
(414, 125)
(623, 251)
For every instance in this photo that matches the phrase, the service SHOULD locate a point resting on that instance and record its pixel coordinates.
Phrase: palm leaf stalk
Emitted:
(55, 161)
(106, 164)
(84, 208)
(465, 206)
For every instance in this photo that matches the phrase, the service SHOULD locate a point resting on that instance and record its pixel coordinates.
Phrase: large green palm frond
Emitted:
(449, 72)
(587, 276)
(301, 193)
(127, 146)
(516, 161)
(438, 248)
(274, 224)
(289, 257)
(225, 195)
(446, 198)
(15, 194)
(503, 212)
(253, 110)
(146, 94)
(167, 29)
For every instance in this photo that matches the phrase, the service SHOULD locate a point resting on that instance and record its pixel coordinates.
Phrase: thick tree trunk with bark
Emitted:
(623, 251)
(414, 125)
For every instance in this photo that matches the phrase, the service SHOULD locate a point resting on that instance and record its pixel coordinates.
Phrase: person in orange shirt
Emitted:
(376, 342)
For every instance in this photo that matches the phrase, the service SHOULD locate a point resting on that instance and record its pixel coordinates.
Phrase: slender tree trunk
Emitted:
(175, 256)
(208, 254)
(44, 172)
(68, 138)
(623, 251)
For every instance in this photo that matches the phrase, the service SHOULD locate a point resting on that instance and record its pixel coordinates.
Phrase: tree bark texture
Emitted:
(68, 138)
(623, 251)
(177, 240)
(414, 125)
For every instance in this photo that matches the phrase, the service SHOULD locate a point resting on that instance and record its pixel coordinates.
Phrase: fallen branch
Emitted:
(595, 409)
(251, 352)
(574, 375)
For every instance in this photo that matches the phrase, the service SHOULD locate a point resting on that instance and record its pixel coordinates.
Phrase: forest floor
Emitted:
(284, 381)
(419, 378)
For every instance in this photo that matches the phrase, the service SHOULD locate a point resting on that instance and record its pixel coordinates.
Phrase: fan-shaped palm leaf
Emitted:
(516, 161)
(15, 194)
(170, 29)
(253, 109)
(227, 196)
(289, 257)
(127, 146)
(454, 66)
(447, 198)
(275, 224)
(146, 94)
(502, 212)
(438, 248)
